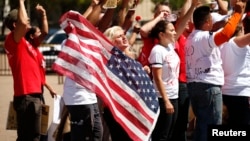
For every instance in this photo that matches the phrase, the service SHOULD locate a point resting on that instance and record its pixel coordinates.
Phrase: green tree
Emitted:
(174, 4)
(54, 8)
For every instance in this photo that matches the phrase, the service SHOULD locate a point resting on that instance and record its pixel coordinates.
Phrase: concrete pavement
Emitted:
(6, 95)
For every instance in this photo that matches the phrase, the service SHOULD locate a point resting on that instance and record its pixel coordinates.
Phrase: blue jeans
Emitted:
(206, 101)
(85, 123)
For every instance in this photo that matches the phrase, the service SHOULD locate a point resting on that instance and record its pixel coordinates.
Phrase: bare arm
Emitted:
(136, 30)
(157, 73)
(106, 20)
(146, 28)
(182, 22)
(243, 40)
(44, 25)
(90, 8)
(223, 6)
(23, 22)
(94, 15)
(128, 20)
(52, 92)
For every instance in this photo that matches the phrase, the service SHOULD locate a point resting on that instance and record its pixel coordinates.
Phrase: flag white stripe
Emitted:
(131, 92)
(119, 99)
(82, 73)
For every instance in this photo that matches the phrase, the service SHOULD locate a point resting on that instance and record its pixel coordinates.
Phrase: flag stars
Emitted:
(153, 106)
(137, 82)
(118, 66)
(119, 61)
(139, 90)
(128, 74)
(117, 53)
(148, 90)
(120, 74)
(150, 98)
(142, 82)
(130, 82)
(111, 66)
(127, 60)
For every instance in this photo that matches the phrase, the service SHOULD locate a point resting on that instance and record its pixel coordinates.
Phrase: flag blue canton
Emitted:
(132, 74)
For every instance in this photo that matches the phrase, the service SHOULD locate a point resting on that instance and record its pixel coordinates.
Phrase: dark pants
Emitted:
(85, 123)
(238, 109)
(165, 124)
(183, 111)
(28, 110)
(116, 131)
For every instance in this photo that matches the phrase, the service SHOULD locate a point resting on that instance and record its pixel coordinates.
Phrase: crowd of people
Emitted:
(198, 58)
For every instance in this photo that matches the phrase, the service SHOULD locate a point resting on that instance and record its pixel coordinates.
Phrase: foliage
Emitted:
(174, 4)
(54, 8)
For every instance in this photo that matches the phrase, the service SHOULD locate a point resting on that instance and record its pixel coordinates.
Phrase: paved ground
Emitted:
(6, 94)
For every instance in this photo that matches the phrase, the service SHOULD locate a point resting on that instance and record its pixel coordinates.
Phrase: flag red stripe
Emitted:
(114, 85)
(116, 88)
(82, 81)
(92, 53)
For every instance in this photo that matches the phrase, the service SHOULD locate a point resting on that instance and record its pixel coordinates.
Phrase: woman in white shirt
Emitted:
(165, 64)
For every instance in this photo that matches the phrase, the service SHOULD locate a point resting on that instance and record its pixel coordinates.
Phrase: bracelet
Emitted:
(136, 30)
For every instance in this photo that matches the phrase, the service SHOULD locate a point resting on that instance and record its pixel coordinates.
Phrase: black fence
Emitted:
(4, 65)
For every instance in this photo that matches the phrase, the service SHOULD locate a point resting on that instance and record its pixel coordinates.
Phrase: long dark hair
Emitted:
(31, 31)
(159, 27)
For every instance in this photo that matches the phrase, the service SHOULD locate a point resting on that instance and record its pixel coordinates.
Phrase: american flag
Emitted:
(90, 59)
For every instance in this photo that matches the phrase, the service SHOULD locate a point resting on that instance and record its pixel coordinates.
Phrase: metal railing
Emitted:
(6, 71)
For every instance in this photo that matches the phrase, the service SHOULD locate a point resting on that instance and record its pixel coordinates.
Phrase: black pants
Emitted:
(85, 123)
(28, 110)
(166, 122)
(238, 109)
(181, 125)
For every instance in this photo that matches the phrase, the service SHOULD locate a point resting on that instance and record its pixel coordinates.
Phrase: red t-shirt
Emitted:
(24, 65)
(41, 63)
(148, 44)
(180, 50)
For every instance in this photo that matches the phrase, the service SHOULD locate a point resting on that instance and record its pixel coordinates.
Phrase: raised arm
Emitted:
(44, 22)
(243, 40)
(146, 28)
(226, 33)
(185, 16)
(23, 22)
(223, 7)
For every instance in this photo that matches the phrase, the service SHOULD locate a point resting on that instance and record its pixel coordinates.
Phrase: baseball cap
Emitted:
(11, 18)
(216, 17)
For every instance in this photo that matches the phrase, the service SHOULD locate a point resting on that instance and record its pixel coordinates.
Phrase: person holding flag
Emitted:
(90, 59)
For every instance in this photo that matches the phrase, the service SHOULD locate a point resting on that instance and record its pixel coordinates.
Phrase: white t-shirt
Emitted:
(167, 59)
(203, 62)
(236, 65)
(75, 94)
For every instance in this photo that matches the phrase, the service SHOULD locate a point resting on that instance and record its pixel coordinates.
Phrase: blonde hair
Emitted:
(111, 32)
